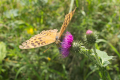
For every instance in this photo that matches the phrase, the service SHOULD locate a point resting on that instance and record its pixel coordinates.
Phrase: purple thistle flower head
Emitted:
(88, 32)
(66, 44)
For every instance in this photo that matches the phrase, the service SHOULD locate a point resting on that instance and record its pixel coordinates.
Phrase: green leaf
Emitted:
(77, 3)
(102, 40)
(18, 72)
(105, 58)
(11, 13)
(2, 51)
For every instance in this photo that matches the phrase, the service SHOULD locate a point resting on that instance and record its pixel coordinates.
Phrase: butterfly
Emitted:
(48, 36)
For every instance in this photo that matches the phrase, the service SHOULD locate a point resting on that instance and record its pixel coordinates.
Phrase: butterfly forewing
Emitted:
(68, 18)
(42, 39)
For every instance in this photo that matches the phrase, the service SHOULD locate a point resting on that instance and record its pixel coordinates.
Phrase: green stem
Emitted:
(102, 69)
(108, 76)
(71, 5)
(98, 61)
(96, 56)
(103, 73)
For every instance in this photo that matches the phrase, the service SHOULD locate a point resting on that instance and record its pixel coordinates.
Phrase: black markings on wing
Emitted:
(42, 39)
(68, 17)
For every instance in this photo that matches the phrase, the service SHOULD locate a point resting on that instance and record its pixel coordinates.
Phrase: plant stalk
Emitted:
(71, 5)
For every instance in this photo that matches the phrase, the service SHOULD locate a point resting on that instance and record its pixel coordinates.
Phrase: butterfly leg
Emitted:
(47, 49)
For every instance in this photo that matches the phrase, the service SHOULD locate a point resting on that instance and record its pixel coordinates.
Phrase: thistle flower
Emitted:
(66, 44)
(90, 39)
(88, 32)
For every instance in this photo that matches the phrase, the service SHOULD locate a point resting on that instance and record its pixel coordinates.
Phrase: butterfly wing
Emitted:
(68, 18)
(42, 39)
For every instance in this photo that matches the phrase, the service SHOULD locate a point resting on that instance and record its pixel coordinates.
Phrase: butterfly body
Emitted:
(48, 36)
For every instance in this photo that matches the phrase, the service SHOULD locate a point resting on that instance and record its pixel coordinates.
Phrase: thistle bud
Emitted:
(90, 37)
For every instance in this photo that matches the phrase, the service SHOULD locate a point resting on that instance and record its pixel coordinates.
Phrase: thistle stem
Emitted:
(96, 56)
(102, 70)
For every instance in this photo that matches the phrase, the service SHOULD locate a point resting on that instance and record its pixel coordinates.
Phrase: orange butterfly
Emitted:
(48, 36)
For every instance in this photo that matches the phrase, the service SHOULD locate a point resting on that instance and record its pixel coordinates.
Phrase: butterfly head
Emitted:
(57, 40)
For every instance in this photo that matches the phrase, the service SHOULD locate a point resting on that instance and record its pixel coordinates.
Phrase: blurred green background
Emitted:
(22, 19)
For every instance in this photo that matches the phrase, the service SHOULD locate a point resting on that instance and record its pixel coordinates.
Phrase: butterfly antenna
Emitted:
(47, 49)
